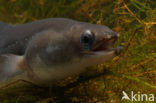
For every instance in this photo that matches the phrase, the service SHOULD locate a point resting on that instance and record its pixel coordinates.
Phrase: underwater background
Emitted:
(133, 70)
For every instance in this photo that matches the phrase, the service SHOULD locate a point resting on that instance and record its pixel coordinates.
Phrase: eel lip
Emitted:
(117, 50)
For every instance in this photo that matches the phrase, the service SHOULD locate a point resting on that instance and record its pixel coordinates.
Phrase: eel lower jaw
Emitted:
(105, 51)
(116, 51)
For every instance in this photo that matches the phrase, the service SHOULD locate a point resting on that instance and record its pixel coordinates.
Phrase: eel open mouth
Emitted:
(107, 45)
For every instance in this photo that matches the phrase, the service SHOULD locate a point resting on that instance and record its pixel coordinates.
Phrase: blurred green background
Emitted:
(134, 70)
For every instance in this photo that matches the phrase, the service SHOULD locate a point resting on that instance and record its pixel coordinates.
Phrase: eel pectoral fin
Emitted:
(10, 66)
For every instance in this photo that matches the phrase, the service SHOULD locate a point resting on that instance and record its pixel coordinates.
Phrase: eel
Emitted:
(51, 49)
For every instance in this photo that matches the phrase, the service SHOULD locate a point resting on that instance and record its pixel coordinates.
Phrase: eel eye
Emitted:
(87, 39)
